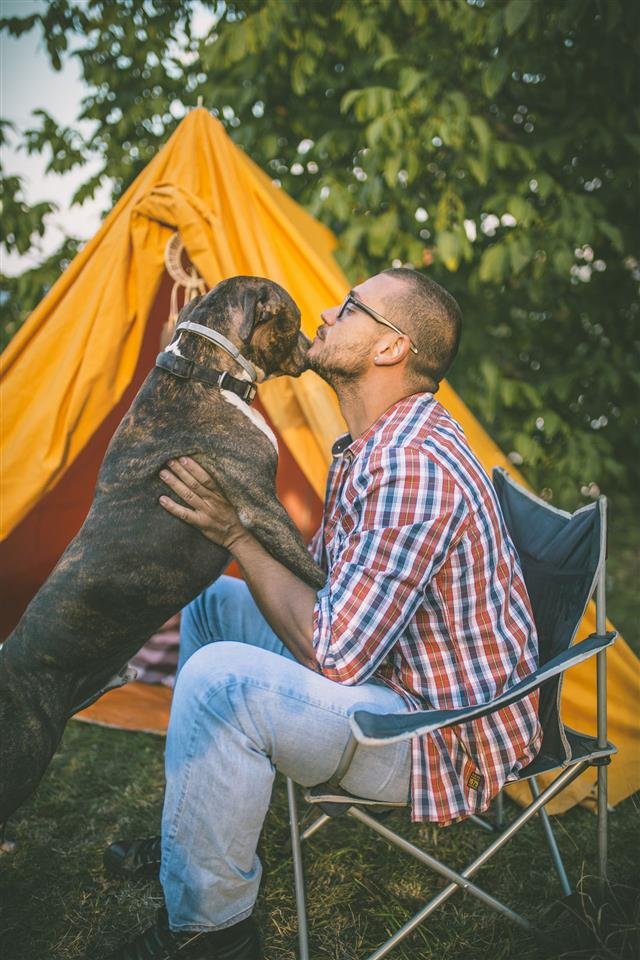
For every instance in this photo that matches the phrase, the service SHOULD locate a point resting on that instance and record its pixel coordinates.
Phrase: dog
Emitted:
(132, 565)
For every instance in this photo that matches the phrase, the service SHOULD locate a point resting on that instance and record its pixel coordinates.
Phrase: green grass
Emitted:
(106, 784)
(56, 903)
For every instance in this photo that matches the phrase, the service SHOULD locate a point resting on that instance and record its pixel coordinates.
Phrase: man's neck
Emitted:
(362, 404)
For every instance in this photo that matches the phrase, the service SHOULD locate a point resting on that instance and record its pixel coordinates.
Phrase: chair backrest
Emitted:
(561, 556)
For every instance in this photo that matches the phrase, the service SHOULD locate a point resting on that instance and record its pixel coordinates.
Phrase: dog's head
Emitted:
(260, 318)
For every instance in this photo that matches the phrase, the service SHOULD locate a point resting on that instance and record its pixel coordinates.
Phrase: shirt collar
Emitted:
(348, 448)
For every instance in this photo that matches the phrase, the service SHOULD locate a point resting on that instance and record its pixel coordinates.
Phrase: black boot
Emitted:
(238, 942)
(133, 859)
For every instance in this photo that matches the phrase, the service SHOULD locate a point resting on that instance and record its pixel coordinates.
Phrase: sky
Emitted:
(27, 82)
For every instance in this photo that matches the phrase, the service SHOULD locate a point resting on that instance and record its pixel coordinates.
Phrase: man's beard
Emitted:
(339, 369)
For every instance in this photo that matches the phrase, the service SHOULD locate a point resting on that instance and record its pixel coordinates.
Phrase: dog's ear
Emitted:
(260, 304)
(189, 307)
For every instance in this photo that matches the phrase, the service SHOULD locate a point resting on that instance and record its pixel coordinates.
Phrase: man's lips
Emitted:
(321, 332)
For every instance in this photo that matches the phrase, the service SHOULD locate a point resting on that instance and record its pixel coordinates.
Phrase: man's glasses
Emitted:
(352, 299)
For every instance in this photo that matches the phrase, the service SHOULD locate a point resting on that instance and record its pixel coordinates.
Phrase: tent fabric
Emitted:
(71, 362)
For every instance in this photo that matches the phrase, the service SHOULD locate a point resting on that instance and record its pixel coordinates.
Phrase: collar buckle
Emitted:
(245, 390)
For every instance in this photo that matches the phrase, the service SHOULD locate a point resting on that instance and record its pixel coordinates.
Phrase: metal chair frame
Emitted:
(376, 730)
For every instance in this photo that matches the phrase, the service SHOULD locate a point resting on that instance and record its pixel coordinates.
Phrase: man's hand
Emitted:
(205, 506)
(286, 602)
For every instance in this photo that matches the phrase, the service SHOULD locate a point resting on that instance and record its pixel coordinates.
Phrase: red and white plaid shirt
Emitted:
(425, 592)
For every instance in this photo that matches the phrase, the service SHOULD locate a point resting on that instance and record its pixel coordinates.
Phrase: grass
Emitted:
(56, 903)
(105, 784)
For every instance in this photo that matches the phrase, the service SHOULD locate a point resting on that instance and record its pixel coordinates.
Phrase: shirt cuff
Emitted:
(322, 627)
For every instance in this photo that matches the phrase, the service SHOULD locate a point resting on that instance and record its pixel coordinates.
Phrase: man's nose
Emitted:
(329, 316)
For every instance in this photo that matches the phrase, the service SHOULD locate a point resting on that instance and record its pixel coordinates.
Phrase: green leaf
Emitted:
(449, 248)
(392, 167)
(482, 131)
(519, 255)
(349, 99)
(613, 233)
(302, 68)
(480, 170)
(527, 447)
(563, 261)
(494, 76)
(410, 79)
(515, 15)
(520, 209)
(494, 264)
(382, 232)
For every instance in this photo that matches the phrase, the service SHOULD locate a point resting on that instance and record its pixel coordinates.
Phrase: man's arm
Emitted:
(286, 602)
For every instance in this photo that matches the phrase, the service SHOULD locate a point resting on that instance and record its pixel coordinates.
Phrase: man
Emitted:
(424, 606)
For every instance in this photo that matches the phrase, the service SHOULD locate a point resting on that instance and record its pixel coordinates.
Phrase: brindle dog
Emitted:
(132, 565)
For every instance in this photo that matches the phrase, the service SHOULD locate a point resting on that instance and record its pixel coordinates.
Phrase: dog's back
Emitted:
(132, 565)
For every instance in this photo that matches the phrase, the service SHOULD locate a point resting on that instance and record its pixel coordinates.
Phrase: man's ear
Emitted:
(391, 350)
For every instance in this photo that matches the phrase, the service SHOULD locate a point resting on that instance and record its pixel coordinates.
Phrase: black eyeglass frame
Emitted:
(353, 298)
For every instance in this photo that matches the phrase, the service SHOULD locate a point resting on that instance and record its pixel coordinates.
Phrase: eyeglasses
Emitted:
(351, 298)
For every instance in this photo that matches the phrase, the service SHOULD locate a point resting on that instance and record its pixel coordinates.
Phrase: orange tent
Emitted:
(71, 371)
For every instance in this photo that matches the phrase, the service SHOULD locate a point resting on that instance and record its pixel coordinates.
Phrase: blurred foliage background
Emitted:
(492, 143)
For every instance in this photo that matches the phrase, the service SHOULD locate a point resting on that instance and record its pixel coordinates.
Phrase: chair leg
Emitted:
(603, 774)
(460, 880)
(298, 872)
(565, 778)
(551, 841)
(601, 685)
(483, 824)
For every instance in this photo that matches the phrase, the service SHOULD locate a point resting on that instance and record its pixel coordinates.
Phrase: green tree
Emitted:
(492, 143)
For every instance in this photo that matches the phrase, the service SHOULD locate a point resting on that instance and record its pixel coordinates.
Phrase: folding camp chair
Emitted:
(563, 561)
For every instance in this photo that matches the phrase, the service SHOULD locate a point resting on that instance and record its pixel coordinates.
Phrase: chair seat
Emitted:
(334, 801)
(581, 747)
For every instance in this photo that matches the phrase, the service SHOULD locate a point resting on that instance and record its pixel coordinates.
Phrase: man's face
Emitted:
(344, 347)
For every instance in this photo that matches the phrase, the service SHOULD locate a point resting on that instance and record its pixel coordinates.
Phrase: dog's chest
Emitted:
(256, 418)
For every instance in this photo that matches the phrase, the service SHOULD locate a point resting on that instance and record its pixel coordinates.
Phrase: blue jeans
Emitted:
(244, 708)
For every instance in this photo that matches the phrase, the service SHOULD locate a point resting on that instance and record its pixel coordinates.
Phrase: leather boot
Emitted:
(238, 942)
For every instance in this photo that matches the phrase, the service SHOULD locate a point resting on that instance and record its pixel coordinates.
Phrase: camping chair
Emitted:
(563, 561)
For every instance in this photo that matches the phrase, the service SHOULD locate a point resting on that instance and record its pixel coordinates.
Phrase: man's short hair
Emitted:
(427, 313)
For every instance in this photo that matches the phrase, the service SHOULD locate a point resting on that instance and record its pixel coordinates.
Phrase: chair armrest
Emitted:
(380, 728)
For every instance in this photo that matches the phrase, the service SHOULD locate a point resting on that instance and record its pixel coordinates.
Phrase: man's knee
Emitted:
(214, 667)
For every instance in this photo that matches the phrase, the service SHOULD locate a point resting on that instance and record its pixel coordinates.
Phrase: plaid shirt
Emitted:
(425, 592)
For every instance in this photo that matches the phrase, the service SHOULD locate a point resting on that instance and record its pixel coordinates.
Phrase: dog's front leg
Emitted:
(250, 487)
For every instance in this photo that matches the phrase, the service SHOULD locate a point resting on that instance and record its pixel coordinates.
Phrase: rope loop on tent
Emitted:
(185, 279)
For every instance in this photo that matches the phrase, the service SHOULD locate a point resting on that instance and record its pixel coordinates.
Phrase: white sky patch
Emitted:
(28, 82)
(470, 230)
(490, 224)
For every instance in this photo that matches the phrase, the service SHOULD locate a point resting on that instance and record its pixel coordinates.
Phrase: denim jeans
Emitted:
(244, 708)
